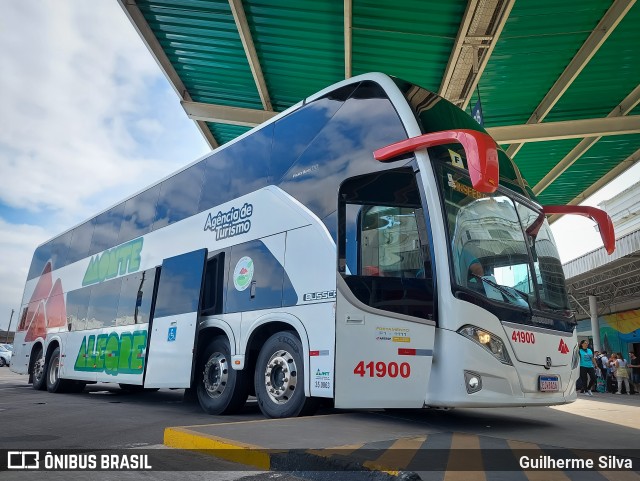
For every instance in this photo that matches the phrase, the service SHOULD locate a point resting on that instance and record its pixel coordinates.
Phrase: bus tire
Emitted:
(54, 383)
(39, 370)
(220, 389)
(279, 378)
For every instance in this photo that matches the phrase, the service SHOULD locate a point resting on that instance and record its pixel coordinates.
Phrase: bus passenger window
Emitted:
(212, 294)
(135, 298)
(383, 251)
(103, 304)
(389, 241)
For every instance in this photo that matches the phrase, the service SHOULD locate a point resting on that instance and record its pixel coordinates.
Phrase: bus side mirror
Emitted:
(605, 226)
(479, 148)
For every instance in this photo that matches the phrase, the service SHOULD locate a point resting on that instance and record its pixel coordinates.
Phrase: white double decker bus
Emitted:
(370, 245)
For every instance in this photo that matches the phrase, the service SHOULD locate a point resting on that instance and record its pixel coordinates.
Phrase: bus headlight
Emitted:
(488, 341)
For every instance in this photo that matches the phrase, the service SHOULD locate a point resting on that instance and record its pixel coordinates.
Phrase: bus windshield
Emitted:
(495, 252)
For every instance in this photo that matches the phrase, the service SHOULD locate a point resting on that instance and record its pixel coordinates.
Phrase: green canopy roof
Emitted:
(234, 63)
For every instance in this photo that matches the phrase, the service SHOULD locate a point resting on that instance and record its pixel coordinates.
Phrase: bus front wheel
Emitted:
(220, 389)
(279, 378)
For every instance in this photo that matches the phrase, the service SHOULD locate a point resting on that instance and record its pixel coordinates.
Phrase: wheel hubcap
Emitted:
(281, 377)
(54, 370)
(38, 368)
(216, 375)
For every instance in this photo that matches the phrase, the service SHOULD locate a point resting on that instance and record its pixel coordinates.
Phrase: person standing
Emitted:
(621, 371)
(634, 364)
(606, 370)
(587, 365)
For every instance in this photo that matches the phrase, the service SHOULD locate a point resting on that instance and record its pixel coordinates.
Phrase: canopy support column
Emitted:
(595, 326)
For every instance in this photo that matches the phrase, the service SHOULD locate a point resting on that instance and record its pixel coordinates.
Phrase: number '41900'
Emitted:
(383, 369)
(524, 337)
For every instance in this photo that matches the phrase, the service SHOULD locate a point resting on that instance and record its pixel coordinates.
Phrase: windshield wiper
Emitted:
(554, 307)
(504, 290)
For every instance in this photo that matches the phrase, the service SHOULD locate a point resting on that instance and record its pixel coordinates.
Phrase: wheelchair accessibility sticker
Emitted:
(172, 334)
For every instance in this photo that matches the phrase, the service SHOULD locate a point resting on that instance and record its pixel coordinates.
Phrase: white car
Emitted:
(5, 356)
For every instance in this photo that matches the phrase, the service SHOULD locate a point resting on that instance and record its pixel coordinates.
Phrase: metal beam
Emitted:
(151, 42)
(578, 304)
(505, 134)
(623, 108)
(570, 129)
(605, 27)
(485, 54)
(457, 46)
(348, 38)
(604, 180)
(479, 30)
(250, 51)
(225, 114)
(603, 277)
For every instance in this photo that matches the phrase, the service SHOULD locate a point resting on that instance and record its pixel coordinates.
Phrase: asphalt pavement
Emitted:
(106, 417)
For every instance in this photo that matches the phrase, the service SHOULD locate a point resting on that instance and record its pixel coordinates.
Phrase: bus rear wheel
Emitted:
(279, 378)
(54, 383)
(39, 370)
(220, 389)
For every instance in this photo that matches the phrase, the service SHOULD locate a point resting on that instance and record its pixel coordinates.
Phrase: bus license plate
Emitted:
(549, 383)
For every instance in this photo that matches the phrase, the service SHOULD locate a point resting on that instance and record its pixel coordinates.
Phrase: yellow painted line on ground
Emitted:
(397, 456)
(620, 475)
(464, 448)
(230, 450)
(613, 475)
(537, 475)
(610, 475)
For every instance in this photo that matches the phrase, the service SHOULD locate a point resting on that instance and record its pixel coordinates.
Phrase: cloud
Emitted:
(87, 120)
(75, 104)
(149, 127)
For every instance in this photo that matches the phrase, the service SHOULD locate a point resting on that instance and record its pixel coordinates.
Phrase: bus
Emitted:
(371, 246)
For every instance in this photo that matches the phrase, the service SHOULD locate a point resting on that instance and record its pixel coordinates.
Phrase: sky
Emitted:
(576, 235)
(88, 119)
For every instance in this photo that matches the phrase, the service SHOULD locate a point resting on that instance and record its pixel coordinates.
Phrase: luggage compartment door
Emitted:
(173, 328)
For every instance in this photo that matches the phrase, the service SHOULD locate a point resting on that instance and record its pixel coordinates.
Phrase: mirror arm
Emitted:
(603, 220)
(480, 149)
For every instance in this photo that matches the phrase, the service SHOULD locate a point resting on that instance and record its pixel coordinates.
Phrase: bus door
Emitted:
(385, 323)
(172, 331)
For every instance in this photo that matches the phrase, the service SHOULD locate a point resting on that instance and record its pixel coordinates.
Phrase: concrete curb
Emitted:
(312, 460)
(237, 452)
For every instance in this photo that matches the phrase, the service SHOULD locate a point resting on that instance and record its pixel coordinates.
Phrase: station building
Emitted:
(605, 289)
